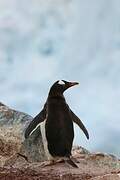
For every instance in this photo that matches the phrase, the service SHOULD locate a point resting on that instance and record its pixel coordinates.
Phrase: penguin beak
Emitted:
(72, 84)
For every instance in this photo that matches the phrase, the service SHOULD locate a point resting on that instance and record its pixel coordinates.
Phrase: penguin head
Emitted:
(60, 86)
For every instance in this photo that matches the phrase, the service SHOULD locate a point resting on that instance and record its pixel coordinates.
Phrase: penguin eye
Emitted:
(61, 82)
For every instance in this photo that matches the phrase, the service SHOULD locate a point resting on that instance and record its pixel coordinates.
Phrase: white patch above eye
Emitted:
(61, 82)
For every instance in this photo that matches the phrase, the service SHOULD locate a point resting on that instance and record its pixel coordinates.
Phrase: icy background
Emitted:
(42, 41)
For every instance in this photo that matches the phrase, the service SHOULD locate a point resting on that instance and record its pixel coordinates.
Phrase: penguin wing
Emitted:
(35, 122)
(79, 123)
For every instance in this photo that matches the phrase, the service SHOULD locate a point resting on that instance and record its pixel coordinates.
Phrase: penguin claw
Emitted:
(47, 163)
(52, 162)
(60, 160)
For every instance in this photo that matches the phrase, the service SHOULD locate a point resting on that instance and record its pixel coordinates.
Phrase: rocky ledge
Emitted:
(92, 166)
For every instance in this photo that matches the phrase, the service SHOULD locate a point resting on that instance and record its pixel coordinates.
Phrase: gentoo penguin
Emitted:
(59, 120)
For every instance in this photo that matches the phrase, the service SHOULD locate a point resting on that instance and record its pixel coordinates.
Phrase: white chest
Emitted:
(42, 127)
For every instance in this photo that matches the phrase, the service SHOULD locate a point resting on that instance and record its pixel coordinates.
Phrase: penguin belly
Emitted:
(59, 136)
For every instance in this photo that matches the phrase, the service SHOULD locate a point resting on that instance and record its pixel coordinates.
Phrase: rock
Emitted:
(12, 127)
(92, 166)
(89, 169)
(79, 150)
(107, 177)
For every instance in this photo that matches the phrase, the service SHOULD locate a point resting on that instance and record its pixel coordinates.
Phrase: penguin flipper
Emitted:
(79, 123)
(35, 122)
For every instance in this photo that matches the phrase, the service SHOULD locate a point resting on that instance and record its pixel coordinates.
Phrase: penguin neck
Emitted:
(56, 95)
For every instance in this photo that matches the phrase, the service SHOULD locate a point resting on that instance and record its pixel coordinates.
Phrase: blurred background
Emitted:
(76, 40)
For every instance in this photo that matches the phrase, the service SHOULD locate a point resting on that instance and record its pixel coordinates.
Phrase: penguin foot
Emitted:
(53, 162)
(67, 161)
(60, 160)
(48, 163)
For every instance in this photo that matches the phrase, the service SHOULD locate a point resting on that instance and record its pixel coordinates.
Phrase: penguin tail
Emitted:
(70, 162)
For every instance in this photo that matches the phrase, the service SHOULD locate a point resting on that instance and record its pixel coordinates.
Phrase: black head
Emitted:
(60, 86)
